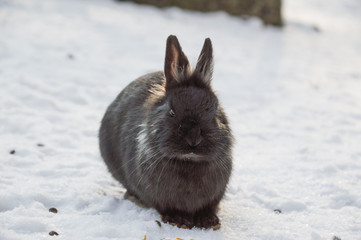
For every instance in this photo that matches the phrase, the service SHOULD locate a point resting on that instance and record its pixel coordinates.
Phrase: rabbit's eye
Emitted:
(171, 113)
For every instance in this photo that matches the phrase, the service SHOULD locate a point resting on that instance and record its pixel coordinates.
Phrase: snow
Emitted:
(292, 96)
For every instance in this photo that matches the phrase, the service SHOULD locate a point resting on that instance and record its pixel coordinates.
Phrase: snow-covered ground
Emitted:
(293, 96)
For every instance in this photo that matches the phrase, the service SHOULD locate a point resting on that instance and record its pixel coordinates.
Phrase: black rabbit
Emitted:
(167, 140)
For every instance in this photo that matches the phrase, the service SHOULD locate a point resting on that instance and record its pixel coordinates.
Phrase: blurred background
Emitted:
(268, 10)
(288, 74)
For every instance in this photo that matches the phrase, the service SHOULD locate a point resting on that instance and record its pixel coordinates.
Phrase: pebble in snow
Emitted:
(53, 210)
(277, 211)
(53, 233)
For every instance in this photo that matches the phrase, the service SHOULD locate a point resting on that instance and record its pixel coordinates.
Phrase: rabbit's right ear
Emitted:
(176, 66)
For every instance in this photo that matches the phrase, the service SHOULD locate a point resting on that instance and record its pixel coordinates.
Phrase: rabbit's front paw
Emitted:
(207, 219)
(178, 219)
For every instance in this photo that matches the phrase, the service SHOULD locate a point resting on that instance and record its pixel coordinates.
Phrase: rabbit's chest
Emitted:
(185, 182)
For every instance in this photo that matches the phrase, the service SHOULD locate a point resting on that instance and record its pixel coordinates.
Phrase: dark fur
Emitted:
(167, 140)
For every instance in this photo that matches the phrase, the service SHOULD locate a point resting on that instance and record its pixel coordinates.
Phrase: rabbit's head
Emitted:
(189, 122)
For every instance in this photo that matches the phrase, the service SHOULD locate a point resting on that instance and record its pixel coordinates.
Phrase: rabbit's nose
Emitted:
(194, 137)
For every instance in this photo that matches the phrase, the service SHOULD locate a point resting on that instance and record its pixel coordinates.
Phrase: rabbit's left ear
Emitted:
(204, 67)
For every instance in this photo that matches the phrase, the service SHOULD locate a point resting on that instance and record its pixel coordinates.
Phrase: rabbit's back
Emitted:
(121, 125)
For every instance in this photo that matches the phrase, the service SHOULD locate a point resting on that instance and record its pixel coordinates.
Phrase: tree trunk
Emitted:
(268, 10)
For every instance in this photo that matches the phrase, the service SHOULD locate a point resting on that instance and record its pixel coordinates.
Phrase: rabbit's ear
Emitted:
(204, 67)
(176, 66)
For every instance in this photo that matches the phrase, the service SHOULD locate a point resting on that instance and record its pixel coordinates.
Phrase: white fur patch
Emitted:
(142, 139)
